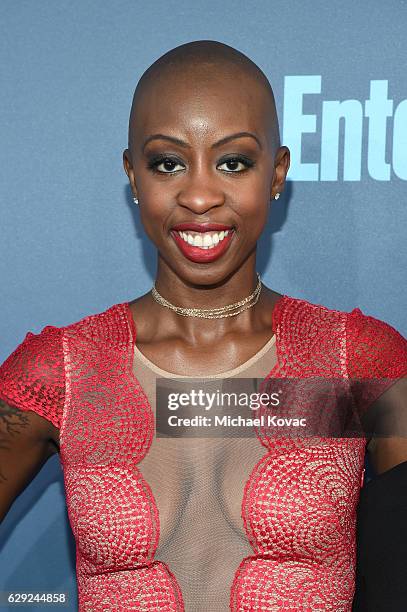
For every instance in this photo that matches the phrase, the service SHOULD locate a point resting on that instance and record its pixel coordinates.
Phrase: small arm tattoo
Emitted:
(12, 422)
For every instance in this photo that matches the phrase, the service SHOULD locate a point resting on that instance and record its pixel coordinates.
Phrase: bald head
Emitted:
(202, 64)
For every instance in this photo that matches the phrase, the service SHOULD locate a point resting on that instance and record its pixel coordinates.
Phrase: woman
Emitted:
(200, 523)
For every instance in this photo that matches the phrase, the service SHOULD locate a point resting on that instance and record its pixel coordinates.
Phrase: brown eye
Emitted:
(164, 165)
(235, 164)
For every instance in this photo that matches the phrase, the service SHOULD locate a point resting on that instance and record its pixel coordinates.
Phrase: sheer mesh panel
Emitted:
(198, 485)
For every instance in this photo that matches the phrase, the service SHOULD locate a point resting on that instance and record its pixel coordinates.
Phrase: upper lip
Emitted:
(201, 227)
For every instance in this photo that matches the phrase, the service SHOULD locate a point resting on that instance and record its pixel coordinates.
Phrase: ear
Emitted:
(281, 167)
(128, 168)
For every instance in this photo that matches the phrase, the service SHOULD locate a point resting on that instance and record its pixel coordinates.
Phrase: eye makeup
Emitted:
(154, 161)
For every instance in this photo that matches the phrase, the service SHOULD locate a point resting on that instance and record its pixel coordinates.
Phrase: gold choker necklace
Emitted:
(212, 313)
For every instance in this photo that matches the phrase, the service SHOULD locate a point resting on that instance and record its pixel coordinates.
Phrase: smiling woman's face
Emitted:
(187, 164)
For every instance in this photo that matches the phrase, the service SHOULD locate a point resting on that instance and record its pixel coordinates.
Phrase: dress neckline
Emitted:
(240, 368)
(275, 314)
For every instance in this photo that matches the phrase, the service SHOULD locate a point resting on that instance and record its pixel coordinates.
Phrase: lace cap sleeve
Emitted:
(32, 377)
(376, 357)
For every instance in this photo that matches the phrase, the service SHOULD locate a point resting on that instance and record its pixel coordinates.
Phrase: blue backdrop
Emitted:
(71, 242)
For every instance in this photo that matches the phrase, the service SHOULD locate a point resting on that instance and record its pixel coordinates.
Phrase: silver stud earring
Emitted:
(276, 196)
(135, 200)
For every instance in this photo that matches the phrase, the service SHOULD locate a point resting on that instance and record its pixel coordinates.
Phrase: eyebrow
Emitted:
(184, 144)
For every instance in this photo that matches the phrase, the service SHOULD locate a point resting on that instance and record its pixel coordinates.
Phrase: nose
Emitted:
(199, 193)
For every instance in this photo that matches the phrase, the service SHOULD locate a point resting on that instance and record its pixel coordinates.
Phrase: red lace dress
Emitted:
(298, 505)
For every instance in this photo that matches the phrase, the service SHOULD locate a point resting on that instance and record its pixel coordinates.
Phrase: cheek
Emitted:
(154, 195)
(154, 192)
(151, 217)
(154, 213)
(256, 199)
(253, 213)
(254, 195)
(259, 221)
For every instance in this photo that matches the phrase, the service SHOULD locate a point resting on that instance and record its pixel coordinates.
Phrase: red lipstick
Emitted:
(195, 253)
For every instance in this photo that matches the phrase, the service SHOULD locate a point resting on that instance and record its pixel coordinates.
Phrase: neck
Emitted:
(203, 289)
(192, 292)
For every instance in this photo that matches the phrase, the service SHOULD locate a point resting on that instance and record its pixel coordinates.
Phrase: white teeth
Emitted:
(204, 240)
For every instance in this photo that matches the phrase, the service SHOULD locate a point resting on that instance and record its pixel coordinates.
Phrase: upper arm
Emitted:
(376, 357)
(388, 445)
(377, 367)
(27, 440)
(32, 392)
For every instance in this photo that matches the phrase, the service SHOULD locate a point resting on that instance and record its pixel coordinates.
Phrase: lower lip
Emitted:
(199, 255)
